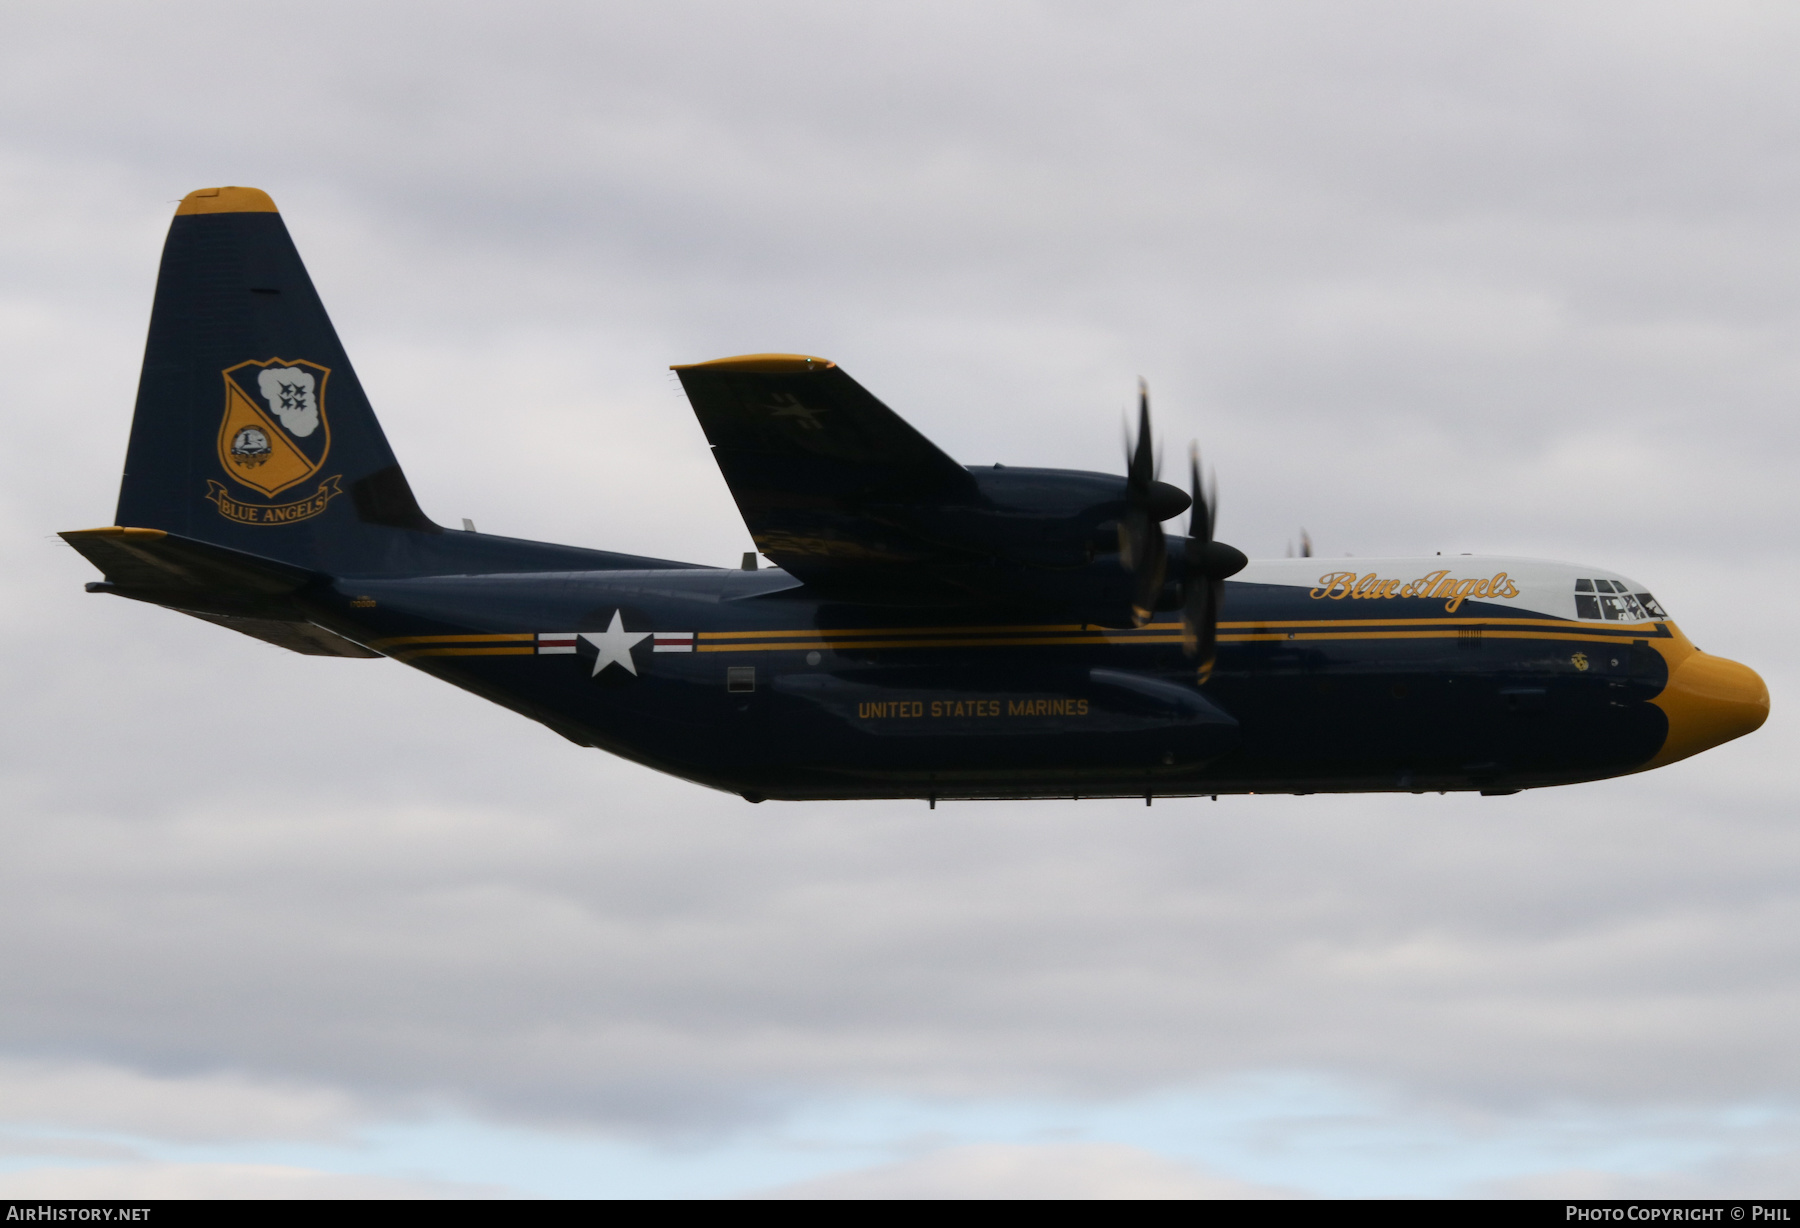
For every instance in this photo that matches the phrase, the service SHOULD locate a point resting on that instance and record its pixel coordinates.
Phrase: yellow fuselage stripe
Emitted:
(407, 654)
(871, 631)
(511, 636)
(1645, 627)
(1284, 636)
(801, 645)
(1153, 630)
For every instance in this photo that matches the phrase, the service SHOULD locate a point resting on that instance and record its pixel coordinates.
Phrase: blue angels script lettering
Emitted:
(1453, 591)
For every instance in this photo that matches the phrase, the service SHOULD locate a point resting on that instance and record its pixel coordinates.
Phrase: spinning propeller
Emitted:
(1205, 561)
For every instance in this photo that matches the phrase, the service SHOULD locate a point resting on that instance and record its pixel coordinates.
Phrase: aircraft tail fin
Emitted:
(251, 430)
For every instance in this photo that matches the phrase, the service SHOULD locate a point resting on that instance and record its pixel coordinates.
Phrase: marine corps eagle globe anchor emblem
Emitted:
(274, 436)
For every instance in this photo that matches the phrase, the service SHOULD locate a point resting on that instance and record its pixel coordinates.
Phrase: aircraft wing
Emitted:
(827, 477)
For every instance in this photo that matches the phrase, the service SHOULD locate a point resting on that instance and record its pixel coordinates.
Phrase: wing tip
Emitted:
(761, 364)
(226, 200)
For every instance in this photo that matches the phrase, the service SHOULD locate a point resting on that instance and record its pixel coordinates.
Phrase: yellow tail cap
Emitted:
(226, 200)
(1709, 701)
(762, 364)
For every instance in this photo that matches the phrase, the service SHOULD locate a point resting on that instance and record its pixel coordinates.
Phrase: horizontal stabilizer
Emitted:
(308, 639)
(154, 559)
(225, 587)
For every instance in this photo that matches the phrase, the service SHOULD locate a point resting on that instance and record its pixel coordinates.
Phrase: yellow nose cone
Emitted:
(1709, 700)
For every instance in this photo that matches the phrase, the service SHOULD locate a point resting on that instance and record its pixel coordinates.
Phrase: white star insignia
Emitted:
(615, 644)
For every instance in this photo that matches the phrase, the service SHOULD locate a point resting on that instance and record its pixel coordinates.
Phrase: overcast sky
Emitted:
(1478, 277)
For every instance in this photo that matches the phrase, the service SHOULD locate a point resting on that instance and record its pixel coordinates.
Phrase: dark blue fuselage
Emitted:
(748, 681)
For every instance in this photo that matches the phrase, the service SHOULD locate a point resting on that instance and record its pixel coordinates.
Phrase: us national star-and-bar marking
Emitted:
(614, 644)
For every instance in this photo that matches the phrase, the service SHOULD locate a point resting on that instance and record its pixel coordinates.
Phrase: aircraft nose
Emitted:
(1709, 700)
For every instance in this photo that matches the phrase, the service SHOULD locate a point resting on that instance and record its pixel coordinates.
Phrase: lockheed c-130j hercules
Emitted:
(928, 629)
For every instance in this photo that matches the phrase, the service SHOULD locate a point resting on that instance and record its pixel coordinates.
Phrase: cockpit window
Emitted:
(1623, 608)
(1613, 602)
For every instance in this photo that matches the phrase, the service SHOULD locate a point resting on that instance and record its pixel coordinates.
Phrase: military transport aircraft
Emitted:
(929, 629)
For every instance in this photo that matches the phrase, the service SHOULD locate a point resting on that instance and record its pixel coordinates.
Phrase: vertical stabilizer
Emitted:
(251, 430)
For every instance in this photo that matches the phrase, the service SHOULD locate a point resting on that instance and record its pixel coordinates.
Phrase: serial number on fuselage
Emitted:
(926, 709)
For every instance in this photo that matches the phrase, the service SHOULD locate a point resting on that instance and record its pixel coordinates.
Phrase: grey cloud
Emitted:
(94, 1097)
(1067, 1170)
(1755, 1173)
(174, 1180)
(1299, 233)
(661, 957)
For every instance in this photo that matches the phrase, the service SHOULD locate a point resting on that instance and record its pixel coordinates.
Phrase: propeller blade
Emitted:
(1207, 563)
(1207, 650)
(1200, 621)
(1152, 570)
(1143, 549)
(1204, 513)
(1141, 462)
(1198, 610)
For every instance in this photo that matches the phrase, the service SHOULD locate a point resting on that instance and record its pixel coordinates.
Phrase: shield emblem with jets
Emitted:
(275, 433)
